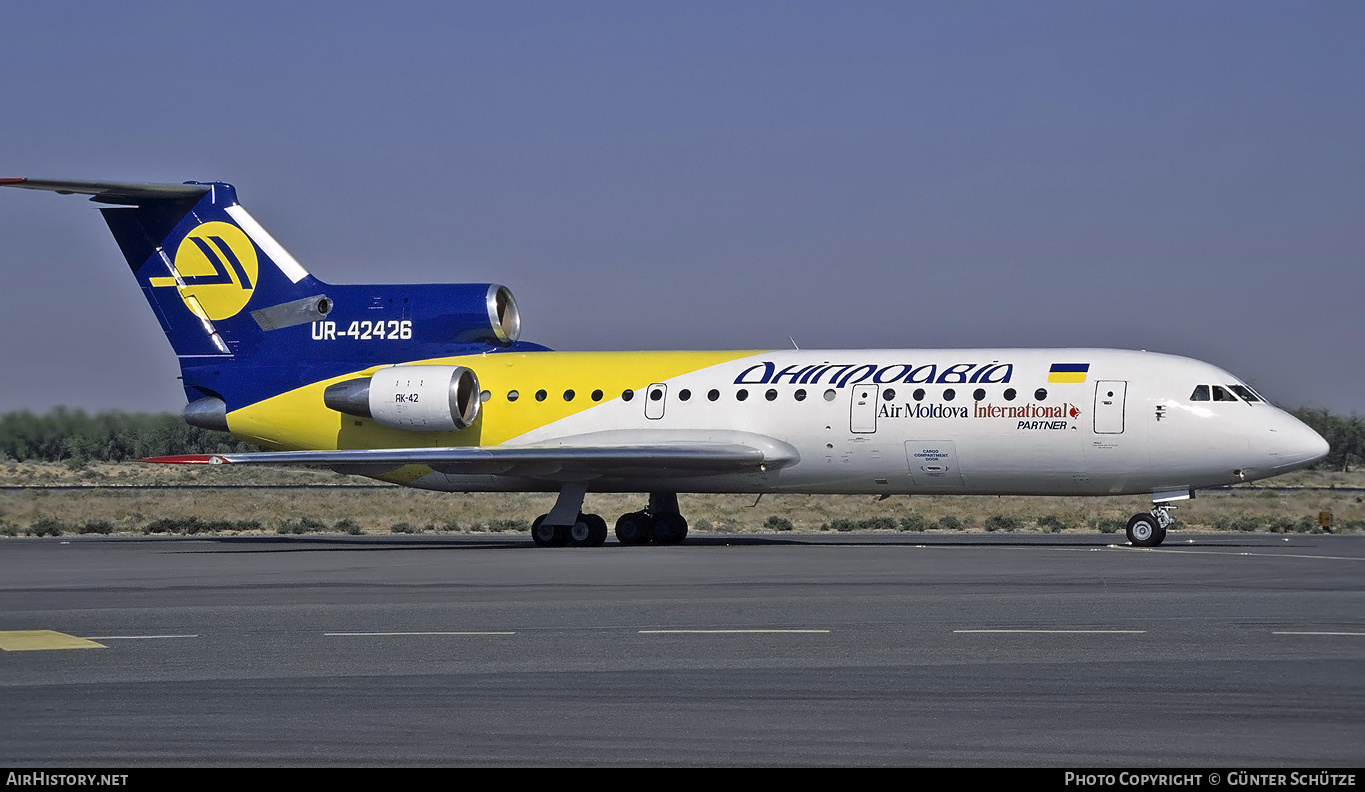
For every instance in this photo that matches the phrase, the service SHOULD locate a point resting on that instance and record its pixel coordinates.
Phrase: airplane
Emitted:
(430, 386)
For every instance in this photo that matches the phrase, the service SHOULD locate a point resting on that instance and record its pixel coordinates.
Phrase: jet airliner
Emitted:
(430, 386)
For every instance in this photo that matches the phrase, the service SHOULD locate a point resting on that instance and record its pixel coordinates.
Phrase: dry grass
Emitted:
(369, 509)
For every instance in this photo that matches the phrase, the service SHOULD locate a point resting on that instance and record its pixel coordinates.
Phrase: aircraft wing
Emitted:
(573, 459)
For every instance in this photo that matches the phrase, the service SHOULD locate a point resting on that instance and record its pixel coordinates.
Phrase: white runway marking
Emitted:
(1061, 632)
(728, 632)
(372, 634)
(134, 637)
(1289, 632)
(1188, 551)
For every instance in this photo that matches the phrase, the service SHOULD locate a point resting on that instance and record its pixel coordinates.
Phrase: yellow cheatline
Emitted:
(1066, 376)
(299, 420)
(31, 640)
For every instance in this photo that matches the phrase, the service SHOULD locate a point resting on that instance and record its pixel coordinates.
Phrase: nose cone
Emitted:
(1294, 445)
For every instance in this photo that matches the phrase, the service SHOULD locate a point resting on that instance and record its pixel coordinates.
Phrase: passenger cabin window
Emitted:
(1201, 393)
(1223, 394)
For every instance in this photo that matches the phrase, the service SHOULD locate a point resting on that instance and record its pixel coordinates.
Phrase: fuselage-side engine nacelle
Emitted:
(411, 398)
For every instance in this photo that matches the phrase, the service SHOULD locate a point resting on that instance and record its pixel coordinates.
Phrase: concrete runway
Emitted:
(1213, 651)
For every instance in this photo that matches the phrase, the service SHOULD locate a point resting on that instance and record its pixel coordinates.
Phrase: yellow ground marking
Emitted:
(31, 640)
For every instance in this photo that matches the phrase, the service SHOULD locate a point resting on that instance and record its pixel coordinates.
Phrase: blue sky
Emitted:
(1180, 177)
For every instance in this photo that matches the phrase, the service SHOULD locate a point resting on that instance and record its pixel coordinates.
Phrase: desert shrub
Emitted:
(405, 528)
(1002, 522)
(499, 526)
(702, 525)
(47, 526)
(950, 523)
(8, 528)
(776, 523)
(1052, 523)
(1290, 525)
(96, 527)
(841, 524)
(1108, 525)
(914, 522)
(348, 526)
(172, 525)
(218, 526)
(302, 525)
(194, 525)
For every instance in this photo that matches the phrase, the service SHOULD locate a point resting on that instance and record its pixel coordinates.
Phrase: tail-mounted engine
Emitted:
(411, 398)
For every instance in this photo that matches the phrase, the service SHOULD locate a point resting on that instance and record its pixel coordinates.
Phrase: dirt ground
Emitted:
(38, 498)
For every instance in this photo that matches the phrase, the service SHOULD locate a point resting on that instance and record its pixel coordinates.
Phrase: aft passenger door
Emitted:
(1110, 396)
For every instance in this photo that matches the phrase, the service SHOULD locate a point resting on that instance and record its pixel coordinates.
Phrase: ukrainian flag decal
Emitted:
(1068, 372)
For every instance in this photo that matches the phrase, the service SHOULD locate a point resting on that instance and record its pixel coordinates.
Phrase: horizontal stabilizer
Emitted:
(113, 192)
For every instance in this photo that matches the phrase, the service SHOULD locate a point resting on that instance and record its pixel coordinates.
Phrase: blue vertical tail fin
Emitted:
(201, 260)
(247, 320)
(215, 278)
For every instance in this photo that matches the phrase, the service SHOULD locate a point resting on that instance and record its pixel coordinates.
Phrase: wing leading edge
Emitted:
(558, 462)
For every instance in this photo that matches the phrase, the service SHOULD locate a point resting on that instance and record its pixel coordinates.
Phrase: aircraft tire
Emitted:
(548, 535)
(668, 528)
(599, 529)
(632, 528)
(581, 533)
(1145, 531)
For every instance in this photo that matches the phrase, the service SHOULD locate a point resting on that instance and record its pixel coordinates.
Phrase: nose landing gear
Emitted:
(1149, 530)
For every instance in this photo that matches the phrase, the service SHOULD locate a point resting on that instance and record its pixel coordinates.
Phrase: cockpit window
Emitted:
(1246, 393)
(1222, 394)
(1201, 393)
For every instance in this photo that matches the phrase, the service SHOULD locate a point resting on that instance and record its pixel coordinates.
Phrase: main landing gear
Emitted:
(660, 522)
(1149, 530)
(588, 530)
(566, 525)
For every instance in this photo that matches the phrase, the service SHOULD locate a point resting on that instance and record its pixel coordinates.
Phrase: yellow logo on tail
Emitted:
(215, 270)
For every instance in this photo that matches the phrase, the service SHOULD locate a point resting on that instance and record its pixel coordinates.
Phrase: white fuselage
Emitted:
(983, 421)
